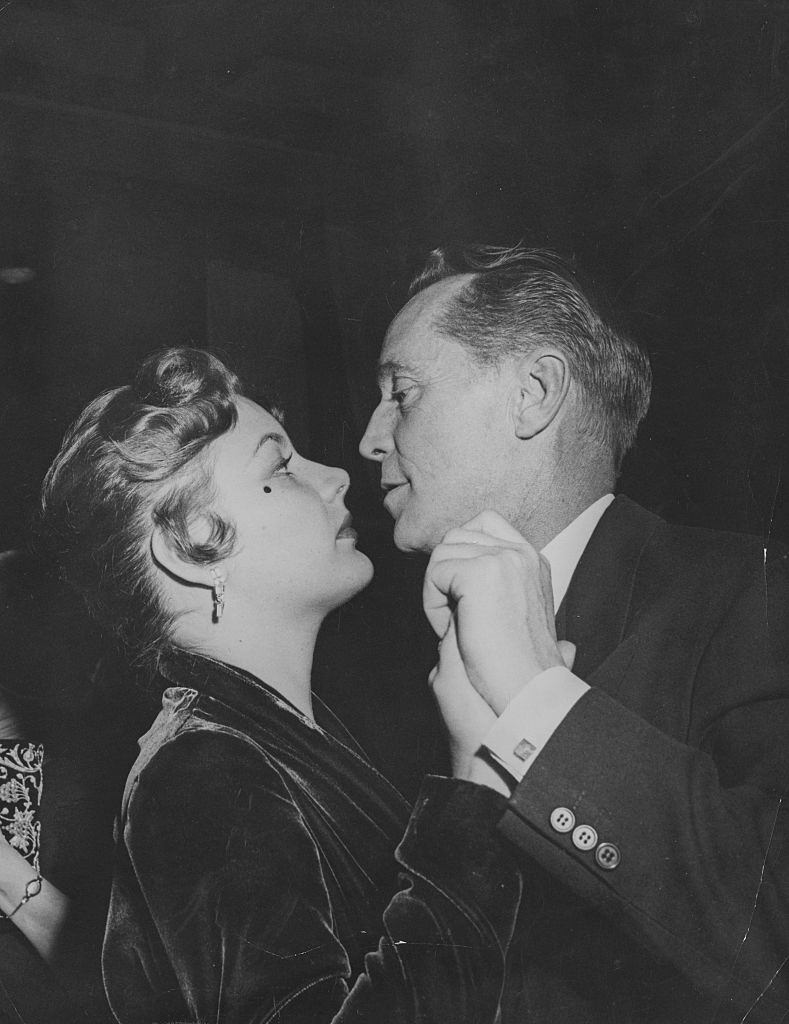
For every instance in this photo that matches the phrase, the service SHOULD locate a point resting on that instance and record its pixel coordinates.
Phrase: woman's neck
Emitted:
(277, 649)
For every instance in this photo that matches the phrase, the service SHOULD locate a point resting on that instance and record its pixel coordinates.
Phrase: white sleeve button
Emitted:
(608, 856)
(584, 837)
(562, 819)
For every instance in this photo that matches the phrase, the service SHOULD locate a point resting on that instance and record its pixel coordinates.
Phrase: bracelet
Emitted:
(33, 888)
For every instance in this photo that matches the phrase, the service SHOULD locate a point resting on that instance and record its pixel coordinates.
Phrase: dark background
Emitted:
(261, 177)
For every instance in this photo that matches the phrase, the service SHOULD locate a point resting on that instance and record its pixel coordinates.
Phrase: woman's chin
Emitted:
(353, 579)
(365, 572)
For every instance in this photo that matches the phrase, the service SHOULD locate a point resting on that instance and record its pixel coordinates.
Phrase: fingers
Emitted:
(463, 547)
(442, 585)
(437, 602)
(495, 524)
(446, 568)
(467, 559)
(567, 651)
(463, 543)
(454, 570)
(467, 716)
(450, 663)
(463, 535)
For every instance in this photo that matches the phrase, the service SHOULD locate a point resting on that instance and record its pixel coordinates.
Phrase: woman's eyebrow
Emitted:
(271, 436)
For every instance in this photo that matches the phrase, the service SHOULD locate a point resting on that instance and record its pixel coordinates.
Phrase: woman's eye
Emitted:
(282, 467)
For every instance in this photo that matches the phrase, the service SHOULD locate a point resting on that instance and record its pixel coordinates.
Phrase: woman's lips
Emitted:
(346, 530)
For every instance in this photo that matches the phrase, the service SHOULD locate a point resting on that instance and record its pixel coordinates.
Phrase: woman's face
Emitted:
(293, 544)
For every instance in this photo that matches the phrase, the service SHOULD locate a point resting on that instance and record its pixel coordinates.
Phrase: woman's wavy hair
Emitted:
(121, 472)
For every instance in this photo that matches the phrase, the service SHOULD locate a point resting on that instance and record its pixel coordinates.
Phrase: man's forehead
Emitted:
(412, 353)
(429, 303)
(436, 358)
(413, 341)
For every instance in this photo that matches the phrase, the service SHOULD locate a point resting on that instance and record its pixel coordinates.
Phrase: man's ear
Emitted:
(167, 556)
(544, 380)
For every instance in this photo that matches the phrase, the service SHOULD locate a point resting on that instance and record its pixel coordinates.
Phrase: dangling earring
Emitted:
(218, 592)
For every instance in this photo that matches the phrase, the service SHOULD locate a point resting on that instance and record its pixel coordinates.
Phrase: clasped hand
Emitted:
(487, 594)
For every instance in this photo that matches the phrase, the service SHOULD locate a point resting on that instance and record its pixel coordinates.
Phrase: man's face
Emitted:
(440, 431)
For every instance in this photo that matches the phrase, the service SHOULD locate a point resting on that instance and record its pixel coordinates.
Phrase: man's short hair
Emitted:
(519, 298)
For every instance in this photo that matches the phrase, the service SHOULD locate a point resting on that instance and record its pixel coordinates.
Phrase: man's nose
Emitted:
(376, 442)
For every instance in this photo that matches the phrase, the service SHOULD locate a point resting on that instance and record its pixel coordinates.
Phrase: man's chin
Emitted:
(409, 539)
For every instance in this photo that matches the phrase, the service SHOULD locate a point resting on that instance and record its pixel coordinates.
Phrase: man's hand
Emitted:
(497, 588)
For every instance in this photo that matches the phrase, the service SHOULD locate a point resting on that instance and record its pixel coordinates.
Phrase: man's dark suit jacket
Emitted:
(679, 756)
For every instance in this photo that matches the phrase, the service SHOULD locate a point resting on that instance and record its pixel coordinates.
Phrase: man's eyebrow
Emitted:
(273, 435)
(392, 368)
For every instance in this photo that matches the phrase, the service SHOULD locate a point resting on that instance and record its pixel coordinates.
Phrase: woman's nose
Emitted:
(341, 481)
(376, 441)
(331, 482)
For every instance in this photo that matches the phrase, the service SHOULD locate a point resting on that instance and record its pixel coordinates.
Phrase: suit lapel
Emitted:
(595, 611)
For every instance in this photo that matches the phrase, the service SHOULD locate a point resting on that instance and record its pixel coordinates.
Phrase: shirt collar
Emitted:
(565, 550)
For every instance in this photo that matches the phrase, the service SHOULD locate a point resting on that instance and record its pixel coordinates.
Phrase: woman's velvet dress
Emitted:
(257, 880)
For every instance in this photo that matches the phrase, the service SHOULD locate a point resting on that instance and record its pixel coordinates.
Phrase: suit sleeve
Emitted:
(687, 838)
(235, 883)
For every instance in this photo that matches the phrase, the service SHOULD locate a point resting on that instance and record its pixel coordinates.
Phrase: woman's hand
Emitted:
(467, 716)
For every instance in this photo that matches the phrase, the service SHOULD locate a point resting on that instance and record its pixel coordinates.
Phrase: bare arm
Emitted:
(41, 918)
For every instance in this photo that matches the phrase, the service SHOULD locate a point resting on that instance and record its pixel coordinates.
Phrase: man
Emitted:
(647, 784)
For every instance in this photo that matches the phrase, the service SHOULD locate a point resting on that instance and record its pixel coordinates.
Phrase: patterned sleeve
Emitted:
(21, 782)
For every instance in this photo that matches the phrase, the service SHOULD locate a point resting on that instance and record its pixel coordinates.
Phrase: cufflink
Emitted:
(524, 750)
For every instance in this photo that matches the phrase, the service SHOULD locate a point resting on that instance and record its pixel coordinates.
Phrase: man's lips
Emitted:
(391, 490)
(392, 485)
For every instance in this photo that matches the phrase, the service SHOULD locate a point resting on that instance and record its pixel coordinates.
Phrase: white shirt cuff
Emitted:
(531, 718)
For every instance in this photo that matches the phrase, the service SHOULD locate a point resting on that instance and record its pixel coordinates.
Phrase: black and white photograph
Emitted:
(394, 523)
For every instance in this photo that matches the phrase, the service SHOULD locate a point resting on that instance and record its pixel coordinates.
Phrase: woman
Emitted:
(34, 905)
(255, 878)
(53, 894)
(32, 915)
